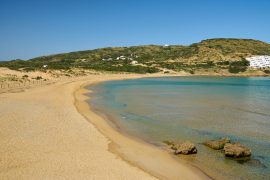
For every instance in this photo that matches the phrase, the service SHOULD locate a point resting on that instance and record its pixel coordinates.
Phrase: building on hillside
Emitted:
(109, 59)
(259, 61)
(134, 62)
(121, 58)
(166, 45)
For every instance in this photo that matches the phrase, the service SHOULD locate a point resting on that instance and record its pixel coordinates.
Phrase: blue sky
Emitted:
(30, 28)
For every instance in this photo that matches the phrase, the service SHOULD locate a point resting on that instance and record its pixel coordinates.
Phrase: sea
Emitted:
(196, 109)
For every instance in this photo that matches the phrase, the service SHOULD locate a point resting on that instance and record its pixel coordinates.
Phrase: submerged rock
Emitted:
(217, 144)
(236, 150)
(184, 148)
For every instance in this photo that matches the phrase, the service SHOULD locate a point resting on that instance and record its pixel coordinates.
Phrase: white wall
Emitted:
(259, 61)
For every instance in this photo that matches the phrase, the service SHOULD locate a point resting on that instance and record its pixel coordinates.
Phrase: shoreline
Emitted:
(151, 159)
(51, 132)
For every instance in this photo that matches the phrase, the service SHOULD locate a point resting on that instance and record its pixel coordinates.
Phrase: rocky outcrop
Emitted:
(236, 150)
(185, 147)
(217, 144)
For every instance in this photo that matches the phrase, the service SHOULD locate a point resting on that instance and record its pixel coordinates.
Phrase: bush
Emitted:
(28, 69)
(210, 63)
(38, 77)
(237, 69)
(267, 71)
(238, 66)
(243, 62)
(226, 63)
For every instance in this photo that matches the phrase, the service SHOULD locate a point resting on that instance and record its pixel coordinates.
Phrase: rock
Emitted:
(236, 150)
(217, 144)
(184, 148)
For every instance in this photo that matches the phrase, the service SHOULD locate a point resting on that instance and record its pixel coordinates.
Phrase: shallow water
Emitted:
(196, 109)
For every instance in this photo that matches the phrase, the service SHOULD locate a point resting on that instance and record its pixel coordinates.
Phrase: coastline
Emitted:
(50, 131)
(43, 136)
(147, 157)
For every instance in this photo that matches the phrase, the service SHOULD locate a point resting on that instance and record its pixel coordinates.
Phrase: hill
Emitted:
(208, 54)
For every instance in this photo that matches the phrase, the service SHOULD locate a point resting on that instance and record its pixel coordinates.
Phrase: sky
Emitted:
(31, 28)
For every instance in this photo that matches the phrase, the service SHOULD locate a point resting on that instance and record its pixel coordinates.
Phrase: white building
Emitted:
(134, 62)
(109, 59)
(259, 61)
(121, 58)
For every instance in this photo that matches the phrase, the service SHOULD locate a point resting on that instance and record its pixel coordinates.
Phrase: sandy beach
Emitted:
(50, 132)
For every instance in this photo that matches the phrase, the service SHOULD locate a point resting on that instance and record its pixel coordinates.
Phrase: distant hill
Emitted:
(230, 49)
(208, 53)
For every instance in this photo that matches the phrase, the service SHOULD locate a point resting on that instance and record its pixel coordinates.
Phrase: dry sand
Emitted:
(42, 136)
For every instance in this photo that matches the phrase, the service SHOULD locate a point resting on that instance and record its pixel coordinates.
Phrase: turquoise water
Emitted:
(196, 109)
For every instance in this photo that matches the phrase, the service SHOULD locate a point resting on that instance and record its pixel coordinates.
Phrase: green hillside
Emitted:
(208, 54)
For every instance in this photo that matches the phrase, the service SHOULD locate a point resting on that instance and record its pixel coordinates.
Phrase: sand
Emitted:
(49, 132)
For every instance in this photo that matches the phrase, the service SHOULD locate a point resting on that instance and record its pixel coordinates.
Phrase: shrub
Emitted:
(237, 69)
(243, 62)
(223, 63)
(38, 77)
(210, 63)
(238, 66)
(267, 71)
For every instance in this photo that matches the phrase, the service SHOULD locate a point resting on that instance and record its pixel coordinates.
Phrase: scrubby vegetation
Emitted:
(209, 54)
(238, 66)
(267, 71)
